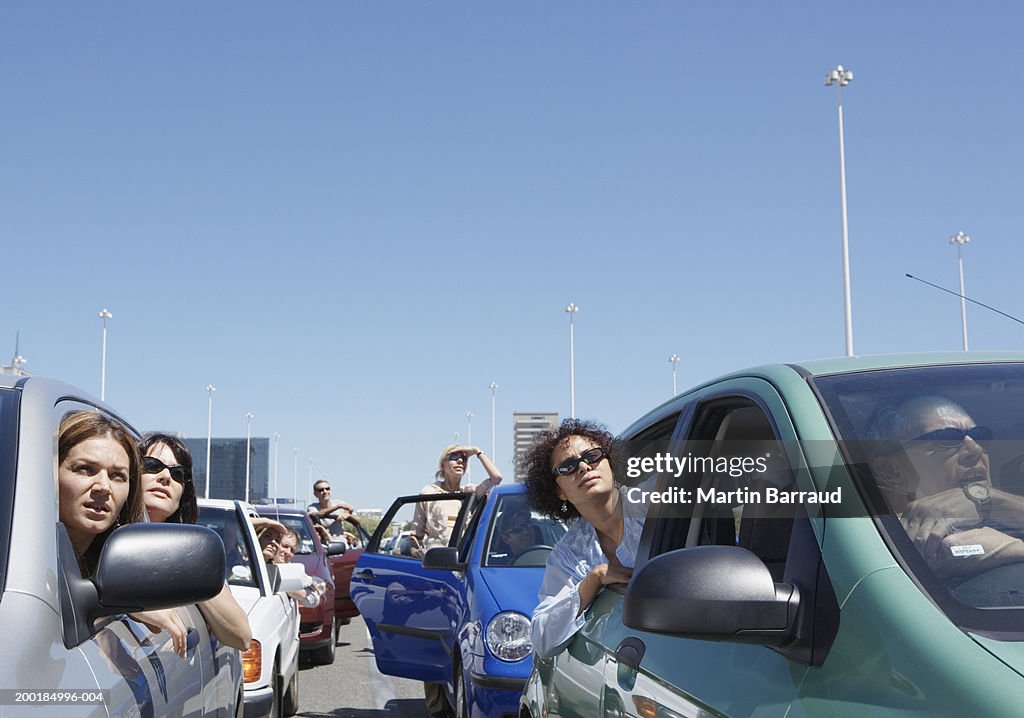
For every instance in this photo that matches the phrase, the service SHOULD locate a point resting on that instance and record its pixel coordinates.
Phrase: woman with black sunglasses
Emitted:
(169, 493)
(569, 477)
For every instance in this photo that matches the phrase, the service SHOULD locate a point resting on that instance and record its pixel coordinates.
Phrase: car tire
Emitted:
(324, 656)
(461, 696)
(290, 704)
(275, 681)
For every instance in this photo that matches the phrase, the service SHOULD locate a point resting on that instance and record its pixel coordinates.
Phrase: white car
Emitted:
(271, 665)
(69, 648)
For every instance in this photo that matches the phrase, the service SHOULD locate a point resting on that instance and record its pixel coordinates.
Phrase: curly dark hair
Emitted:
(188, 509)
(541, 489)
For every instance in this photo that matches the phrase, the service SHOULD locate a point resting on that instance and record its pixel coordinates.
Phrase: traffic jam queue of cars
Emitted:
(903, 598)
(66, 612)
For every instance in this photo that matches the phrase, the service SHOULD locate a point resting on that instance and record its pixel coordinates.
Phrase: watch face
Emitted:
(977, 492)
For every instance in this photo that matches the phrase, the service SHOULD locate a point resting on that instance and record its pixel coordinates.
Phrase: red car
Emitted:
(341, 568)
(318, 626)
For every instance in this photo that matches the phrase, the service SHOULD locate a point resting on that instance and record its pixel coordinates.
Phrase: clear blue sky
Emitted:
(351, 217)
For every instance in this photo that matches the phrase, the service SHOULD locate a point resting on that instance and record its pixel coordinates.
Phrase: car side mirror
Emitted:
(290, 577)
(711, 592)
(443, 558)
(336, 548)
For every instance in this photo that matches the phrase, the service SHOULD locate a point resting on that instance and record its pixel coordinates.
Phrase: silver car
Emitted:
(69, 647)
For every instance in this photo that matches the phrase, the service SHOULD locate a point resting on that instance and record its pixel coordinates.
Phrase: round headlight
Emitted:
(508, 636)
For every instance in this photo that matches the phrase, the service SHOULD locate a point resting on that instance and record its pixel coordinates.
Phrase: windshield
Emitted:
(939, 454)
(239, 569)
(519, 537)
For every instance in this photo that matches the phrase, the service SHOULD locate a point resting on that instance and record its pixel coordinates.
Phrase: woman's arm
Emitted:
(227, 620)
(493, 475)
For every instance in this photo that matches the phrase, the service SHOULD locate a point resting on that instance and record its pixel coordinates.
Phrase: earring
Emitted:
(565, 507)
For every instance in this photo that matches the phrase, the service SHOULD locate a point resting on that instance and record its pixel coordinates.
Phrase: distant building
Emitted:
(227, 468)
(526, 426)
(371, 513)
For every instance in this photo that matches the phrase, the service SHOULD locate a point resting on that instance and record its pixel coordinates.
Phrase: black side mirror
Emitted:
(443, 558)
(336, 548)
(711, 592)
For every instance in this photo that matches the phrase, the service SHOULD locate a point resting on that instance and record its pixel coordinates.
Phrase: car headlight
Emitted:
(508, 636)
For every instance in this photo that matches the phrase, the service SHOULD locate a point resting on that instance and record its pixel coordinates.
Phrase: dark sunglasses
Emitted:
(518, 528)
(953, 438)
(153, 465)
(457, 456)
(322, 488)
(569, 466)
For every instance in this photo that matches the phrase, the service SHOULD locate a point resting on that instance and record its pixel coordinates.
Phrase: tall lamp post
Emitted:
(210, 388)
(673, 360)
(277, 438)
(841, 77)
(469, 441)
(494, 453)
(295, 475)
(104, 315)
(248, 443)
(960, 239)
(571, 310)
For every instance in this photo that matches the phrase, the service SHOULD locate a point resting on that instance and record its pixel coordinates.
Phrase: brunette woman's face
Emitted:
(93, 481)
(161, 493)
(586, 483)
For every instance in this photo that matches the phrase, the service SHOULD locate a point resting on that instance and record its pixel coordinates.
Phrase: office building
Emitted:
(526, 426)
(227, 467)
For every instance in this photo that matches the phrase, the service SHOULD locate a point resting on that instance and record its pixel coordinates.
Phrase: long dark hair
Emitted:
(188, 510)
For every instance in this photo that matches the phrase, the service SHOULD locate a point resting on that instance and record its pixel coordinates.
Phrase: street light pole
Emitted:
(960, 239)
(494, 453)
(209, 433)
(248, 443)
(277, 438)
(469, 442)
(673, 360)
(571, 310)
(104, 315)
(295, 475)
(841, 77)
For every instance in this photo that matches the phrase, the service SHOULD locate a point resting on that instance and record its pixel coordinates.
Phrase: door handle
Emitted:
(364, 575)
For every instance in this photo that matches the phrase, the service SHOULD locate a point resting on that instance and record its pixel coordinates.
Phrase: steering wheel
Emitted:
(993, 588)
(532, 556)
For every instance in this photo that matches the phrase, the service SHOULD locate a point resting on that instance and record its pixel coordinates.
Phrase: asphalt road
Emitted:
(352, 687)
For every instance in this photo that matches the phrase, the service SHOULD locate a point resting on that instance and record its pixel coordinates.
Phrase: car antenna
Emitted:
(973, 301)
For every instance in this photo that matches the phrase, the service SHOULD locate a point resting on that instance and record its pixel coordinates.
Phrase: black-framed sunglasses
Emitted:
(953, 438)
(457, 456)
(518, 528)
(322, 488)
(569, 466)
(153, 465)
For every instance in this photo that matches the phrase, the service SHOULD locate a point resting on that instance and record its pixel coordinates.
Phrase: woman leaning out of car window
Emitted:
(169, 494)
(569, 477)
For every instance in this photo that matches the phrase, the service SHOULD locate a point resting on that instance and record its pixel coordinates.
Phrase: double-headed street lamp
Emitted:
(469, 441)
(840, 77)
(295, 475)
(673, 360)
(248, 443)
(494, 453)
(960, 239)
(277, 438)
(210, 388)
(104, 315)
(571, 310)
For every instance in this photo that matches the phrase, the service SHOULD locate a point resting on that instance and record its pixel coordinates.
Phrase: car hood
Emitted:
(513, 589)
(246, 597)
(1009, 652)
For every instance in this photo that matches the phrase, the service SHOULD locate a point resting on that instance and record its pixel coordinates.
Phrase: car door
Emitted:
(655, 674)
(412, 613)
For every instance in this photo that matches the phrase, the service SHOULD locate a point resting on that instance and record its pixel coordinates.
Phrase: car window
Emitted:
(401, 514)
(518, 536)
(239, 569)
(300, 525)
(8, 455)
(938, 454)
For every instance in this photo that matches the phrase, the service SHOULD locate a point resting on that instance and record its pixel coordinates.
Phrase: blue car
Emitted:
(459, 615)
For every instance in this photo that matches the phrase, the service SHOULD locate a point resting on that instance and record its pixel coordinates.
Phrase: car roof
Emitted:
(264, 509)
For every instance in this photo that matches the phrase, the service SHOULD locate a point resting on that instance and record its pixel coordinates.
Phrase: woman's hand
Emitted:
(165, 620)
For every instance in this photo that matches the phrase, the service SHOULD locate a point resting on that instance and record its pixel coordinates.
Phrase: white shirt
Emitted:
(555, 619)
